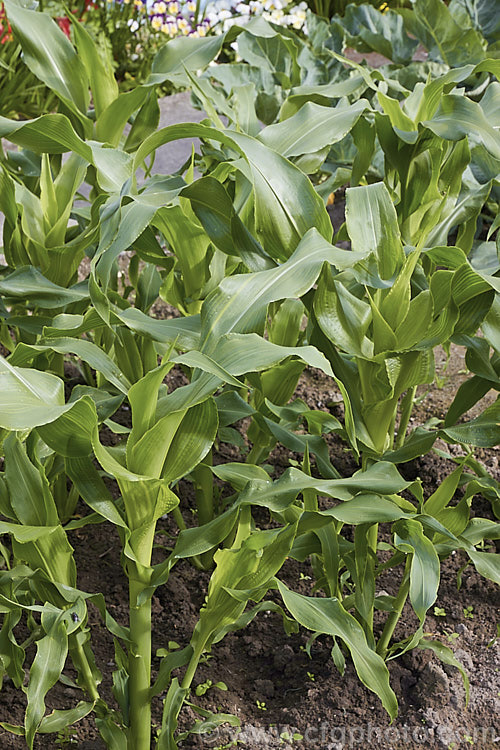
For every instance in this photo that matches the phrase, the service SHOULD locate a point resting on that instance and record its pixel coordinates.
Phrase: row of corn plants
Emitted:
(239, 243)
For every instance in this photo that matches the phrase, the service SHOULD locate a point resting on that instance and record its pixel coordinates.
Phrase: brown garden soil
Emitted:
(298, 694)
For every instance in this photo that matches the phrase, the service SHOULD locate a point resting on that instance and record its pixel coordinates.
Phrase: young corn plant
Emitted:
(170, 435)
(379, 320)
(422, 533)
(160, 449)
(36, 229)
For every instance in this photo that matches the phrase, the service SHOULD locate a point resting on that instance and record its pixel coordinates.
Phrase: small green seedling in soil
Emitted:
(66, 738)
(311, 676)
(468, 612)
(439, 612)
(203, 687)
(261, 705)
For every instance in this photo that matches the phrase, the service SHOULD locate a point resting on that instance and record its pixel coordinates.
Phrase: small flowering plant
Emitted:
(181, 18)
(222, 14)
(178, 18)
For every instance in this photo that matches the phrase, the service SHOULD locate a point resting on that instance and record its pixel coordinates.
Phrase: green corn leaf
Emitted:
(92, 489)
(172, 705)
(239, 474)
(147, 456)
(343, 317)
(47, 666)
(286, 205)
(192, 441)
(145, 122)
(103, 85)
(372, 226)
(50, 55)
(382, 478)
(237, 354)
(328, 616)
(487, 564)
(26, 534)
(312, 128)
(483, 431)
(200, 539)
(466, 397)
(143, 398)
(366, 508)
(13, 654)
(85, 350)
(49, 133)
(28, 283)
(31, 498)
(215, 211)
(185, 332)
(425, 566)
(184, 54)
(247, 571)
(444, 493)
(240, 302)
(458, 117)
(59, 719)
(29, 398)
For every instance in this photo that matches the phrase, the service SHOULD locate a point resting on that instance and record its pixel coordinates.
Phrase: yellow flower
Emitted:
(201, 31)
(156, 23)
(173, 8)
(160, 8)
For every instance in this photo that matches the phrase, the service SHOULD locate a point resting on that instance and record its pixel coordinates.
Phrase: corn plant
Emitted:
(245, 255)
(422, 534)
(386, 318)
(165, 423)
(43, 544)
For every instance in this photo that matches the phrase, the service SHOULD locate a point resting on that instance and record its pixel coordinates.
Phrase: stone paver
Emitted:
(175, 109)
